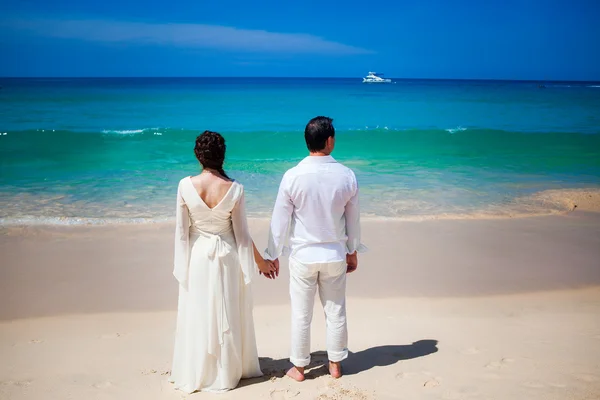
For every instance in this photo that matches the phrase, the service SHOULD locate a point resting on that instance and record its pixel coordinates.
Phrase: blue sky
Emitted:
(458, 39)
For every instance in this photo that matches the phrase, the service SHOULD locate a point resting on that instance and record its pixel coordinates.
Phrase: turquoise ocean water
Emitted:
(113, 150)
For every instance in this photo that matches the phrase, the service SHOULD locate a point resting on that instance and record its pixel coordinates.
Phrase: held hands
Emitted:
(270, 269)
(351, 262)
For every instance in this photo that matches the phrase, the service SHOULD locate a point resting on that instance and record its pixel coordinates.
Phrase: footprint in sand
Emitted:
(283, 394)
(36, 341)
(431, 383)
(499, 364)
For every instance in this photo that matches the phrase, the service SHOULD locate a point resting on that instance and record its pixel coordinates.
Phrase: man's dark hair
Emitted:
(316, 133)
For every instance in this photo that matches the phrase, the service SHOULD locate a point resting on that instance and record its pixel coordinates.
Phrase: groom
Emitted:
(317, 211)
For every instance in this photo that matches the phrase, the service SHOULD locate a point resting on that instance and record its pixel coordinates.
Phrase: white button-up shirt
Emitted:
(317, 211)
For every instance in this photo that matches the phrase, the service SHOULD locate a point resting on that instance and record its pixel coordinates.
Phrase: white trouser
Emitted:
(331, 280)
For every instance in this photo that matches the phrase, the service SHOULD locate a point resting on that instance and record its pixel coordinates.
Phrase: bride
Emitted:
(215, 261)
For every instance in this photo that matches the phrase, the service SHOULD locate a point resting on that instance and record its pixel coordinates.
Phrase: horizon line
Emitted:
(297, 77)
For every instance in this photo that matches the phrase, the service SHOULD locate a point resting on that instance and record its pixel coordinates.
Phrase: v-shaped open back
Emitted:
(204, 201)
(204, 218)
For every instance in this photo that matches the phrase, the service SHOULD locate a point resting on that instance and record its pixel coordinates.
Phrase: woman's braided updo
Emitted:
(210, 151)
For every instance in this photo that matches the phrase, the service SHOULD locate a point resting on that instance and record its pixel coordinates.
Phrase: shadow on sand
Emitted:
(364, 360)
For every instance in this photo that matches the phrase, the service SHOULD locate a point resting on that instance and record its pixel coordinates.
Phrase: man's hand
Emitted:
(276, 265)
(351, 262)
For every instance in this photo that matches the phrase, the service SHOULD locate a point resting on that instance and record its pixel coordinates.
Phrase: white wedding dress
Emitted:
(215, 344)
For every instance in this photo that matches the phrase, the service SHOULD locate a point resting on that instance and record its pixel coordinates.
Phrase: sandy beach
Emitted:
(447, 309)
(469, 134)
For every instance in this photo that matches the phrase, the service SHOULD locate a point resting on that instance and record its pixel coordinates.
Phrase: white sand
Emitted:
(503, 309)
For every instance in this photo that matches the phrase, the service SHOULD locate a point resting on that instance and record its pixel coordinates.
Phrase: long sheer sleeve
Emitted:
(243, 239)
(182, 240)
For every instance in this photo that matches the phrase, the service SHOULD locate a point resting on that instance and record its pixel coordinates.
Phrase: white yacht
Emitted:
(374, 77)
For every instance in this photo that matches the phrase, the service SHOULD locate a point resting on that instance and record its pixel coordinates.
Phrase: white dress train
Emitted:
(215, 344)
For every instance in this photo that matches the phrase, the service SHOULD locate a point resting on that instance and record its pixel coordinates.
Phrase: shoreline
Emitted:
(556, 201)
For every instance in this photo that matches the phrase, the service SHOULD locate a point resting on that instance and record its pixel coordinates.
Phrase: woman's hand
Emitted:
(267, 268)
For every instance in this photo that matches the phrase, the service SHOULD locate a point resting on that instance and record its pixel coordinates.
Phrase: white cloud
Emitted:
(182, 35)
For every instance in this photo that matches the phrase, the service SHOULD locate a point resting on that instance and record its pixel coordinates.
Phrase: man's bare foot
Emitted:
(296, 373)
(335, 369)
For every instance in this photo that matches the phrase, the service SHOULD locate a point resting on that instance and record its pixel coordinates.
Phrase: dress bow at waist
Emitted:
(217, 250)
